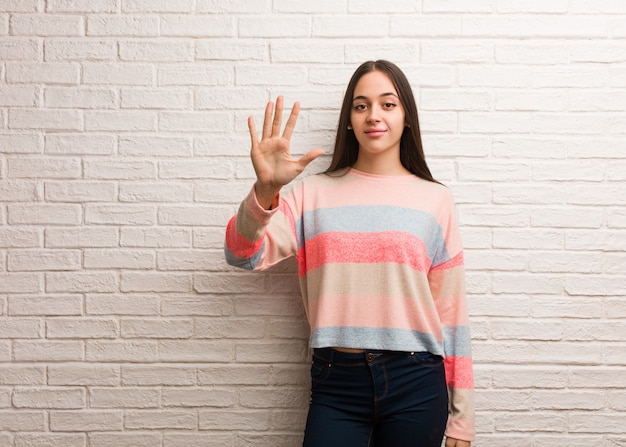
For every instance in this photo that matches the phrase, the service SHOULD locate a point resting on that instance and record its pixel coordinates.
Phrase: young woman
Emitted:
(381, 270)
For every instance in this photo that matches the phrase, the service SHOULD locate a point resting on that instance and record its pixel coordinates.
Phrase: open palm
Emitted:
(271, 156)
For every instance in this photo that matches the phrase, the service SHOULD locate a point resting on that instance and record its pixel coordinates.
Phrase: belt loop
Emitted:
(331, 357)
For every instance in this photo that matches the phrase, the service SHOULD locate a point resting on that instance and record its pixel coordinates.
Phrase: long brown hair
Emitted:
(411, 151)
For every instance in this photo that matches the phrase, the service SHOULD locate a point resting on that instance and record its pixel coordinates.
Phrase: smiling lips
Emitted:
(375, 132)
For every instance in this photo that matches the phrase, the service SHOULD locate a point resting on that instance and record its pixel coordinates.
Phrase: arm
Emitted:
(447, 284)
(260, 234)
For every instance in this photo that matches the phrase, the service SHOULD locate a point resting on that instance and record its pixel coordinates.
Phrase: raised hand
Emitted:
(271, 157)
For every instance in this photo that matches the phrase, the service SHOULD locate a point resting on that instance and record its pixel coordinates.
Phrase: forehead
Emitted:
(374, 84)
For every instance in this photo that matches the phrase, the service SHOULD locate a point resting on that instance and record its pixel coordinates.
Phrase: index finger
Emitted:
(254, 136)
(291, 122)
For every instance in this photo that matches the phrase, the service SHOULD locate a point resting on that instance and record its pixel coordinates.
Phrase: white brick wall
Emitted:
(123, 152)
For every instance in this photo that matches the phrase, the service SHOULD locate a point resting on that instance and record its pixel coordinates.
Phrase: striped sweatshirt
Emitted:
(380, 265)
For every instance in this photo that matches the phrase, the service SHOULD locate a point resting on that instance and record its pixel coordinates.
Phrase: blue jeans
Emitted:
(376, 399)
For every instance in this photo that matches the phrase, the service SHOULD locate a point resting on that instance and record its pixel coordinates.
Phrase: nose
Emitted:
(374, 115)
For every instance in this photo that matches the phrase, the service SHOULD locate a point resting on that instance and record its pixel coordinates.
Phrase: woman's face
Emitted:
(377, 119)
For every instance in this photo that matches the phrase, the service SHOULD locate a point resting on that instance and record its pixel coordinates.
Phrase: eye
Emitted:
(389, 105)
(360, 107)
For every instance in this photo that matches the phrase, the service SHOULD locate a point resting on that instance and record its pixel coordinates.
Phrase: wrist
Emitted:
(265, 195)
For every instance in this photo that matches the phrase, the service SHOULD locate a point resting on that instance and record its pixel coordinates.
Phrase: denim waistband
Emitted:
(331, 355)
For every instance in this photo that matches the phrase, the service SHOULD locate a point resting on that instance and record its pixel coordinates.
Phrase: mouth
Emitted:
(375, 132)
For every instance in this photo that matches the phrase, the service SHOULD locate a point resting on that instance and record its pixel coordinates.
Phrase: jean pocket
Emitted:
(320, 369)
(426, 358)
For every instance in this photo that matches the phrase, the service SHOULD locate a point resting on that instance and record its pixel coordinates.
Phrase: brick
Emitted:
(119, 170)
(50, 398)
(80, 192)
(50, 439)
(275, 26)
(30, 167)
(121, 351)
(156, 282)
(184, 260)
(101, 6)
(408, 25)
(81, 237)
(156, 99)
(543, 26)
(162, 328)
(20, 283)
(197, 215)
(229, 50)
(256, 420)
(240, 7)
(158, 376)
(520, 283)
(21, 143)
(80, 282)
(156, 237)
(117, 74)
(127, 304)
(216, 439)
(160, 420)
(221, 328)
(43, 260)
(112, 398)
(149, 146)
(23, 421)
(81, 328)
(158, 6)
(604, 422)
(46, 25)
(282, 75)
(83, 144)
(156, 192)
(18, 96)
(45, 305)
(50, 119)
(18, 191)
(20, 6)
(124, 439)
(196, 306)
(472, 6)
(127, 121)
(132, 26)
(184, 351)
(72, 49)
(301, 6)
(19, 49)
(81, 98)
(83, 375)
(537, 422)
(19, 375)
(193, 121)
(120, 214)
(48, 351)
(81, 421)
(197, 26)
(22, 328)
(197, 397)
(455, 52)
(114, 259)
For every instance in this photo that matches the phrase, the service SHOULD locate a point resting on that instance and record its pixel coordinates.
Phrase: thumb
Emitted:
(309, 157)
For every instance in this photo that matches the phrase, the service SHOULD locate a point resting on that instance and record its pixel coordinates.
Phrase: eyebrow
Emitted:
(384, 94)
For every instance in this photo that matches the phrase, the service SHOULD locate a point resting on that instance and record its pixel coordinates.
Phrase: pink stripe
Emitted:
(459, 372)
(374, 312)
(238, 244)
(364, 248)
(454, 262)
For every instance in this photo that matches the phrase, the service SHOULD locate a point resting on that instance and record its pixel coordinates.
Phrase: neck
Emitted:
(380, 165)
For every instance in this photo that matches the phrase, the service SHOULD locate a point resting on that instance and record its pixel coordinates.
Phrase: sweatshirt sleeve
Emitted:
(447, 284)
(257, 238)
